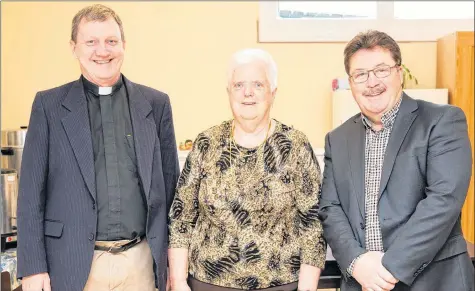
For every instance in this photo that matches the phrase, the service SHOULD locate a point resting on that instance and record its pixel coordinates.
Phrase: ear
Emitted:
(72, 45)
(123, 44)
(274, 92)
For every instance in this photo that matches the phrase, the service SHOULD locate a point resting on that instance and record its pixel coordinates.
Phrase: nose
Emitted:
(248, 91)
(101, 50)
(372, 80)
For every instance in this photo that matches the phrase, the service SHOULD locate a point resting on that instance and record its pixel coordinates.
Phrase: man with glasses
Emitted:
(396, 177)
(99, 171)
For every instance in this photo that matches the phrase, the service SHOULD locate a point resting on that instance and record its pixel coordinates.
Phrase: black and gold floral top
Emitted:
(249, 216)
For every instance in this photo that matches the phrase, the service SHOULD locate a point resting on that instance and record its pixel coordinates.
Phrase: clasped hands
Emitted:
(371, 274)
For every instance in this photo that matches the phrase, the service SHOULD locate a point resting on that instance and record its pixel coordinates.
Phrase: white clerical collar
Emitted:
(105, 90)
(101, 91)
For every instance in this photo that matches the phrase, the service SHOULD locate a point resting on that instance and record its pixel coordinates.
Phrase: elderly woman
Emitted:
(245, 211)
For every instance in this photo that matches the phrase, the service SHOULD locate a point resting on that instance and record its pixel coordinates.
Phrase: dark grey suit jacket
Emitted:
(424, 182)
(57, 217)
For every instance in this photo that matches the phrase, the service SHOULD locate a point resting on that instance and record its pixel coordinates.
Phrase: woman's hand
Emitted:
(180, 285)
(308, 278)
(178, 269)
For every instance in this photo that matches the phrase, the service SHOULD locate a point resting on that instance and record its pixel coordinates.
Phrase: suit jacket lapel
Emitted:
(145, 133)
(356, 145)
(404, 119)
(78, 131)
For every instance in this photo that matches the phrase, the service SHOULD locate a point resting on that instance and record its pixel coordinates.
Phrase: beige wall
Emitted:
(181, 48)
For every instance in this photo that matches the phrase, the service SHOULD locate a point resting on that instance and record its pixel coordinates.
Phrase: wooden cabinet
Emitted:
(455, 71)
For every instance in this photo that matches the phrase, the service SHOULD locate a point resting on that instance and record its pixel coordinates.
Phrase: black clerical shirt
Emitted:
(122, 210)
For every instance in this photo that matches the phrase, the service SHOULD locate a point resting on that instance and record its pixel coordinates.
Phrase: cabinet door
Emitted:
(465, 100)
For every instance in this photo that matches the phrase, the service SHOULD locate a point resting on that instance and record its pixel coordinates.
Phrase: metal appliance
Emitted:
(8, 206)
(13, 142)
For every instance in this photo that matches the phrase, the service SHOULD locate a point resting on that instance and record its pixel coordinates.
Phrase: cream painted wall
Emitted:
(181, 48)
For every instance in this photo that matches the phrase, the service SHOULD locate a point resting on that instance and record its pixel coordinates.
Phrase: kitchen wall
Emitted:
(181, 48)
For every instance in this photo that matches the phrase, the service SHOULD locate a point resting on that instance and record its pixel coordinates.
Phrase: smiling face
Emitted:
(381, 91)
(249, 91)
(100, 51)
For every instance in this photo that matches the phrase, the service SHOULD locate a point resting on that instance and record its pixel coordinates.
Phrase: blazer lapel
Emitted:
(406, 115)
(78, 131)
(356, 145)
(145, 133)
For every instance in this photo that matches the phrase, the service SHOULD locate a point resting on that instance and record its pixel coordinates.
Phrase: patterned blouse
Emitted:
(249, 216)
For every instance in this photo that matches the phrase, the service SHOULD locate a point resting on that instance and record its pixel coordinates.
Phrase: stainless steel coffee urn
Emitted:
(13, 142)
(8, 206)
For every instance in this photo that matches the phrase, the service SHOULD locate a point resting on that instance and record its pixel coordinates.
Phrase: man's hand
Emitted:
(371, 274)
(37, 282)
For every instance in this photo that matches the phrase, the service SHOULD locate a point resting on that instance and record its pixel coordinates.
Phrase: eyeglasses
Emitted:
(380, 72)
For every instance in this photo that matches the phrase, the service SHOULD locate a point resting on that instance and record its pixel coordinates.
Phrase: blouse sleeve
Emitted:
(184, 211)
(308, 181)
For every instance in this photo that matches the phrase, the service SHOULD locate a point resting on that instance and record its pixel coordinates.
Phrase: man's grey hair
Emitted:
(250, 55)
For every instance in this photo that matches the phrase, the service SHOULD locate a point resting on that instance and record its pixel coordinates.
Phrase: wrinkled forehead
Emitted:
(368, 59)
(98, 29)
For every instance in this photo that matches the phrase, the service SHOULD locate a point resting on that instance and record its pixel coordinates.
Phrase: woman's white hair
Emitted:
(250, 55)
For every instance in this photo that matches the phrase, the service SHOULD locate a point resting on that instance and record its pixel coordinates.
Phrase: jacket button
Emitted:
(91, 236)
(93, 205)
(362, 226)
